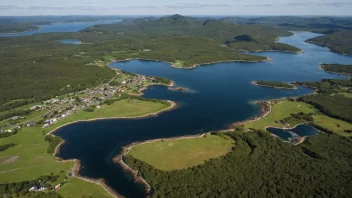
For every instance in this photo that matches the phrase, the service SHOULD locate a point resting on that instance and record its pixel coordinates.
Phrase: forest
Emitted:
(260, 165)
(336, 106)
(338, 68)
(339, 42)
(274, 84)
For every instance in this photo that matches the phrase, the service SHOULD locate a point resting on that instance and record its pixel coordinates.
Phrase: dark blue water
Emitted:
(61, 27)
(71, 41)
(301, 130)
(221, 95)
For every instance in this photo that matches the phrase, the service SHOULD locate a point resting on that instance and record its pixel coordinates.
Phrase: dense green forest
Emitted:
(264, 36)
(21, 189)
(260, 165)
(274, 84)
(339, 42)
(338, 68)
(336, 106)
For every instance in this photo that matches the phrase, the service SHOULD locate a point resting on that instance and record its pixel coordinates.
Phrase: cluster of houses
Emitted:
(80, 100)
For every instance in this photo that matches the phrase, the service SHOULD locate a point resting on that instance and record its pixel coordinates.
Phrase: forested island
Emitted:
(277, 85)
(338, 68)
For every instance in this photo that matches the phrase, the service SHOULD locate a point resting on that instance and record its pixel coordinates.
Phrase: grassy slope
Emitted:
(280, 110)
(31, 147)
(179, 154)
(76, 188)
(340, 42)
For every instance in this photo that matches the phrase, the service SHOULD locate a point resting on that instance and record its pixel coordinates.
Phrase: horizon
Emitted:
(183, 7)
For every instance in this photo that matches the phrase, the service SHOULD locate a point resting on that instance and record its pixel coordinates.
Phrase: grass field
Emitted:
(183, 153)
(77, 188)
(335, 125)
(121, 108)
(28, 159)
(179, 63)
(279, 110)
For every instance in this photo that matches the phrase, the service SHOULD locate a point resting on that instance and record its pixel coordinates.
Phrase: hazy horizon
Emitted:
(183, 7)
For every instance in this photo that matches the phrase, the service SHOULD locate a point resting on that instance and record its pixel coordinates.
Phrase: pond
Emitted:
(291, 135)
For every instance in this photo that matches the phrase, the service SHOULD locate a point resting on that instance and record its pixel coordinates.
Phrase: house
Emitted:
(35, 107)
(33, 188)
(57, 187)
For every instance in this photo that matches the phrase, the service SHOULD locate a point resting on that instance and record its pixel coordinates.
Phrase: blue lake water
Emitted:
(301, 130)
(221, 95)
(71, 41)
(60, 27)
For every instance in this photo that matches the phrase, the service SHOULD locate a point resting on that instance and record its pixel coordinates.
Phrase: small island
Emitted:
(271, 84)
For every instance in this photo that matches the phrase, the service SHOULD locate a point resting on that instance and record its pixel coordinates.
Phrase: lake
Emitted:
(221, 95)
(60, 27)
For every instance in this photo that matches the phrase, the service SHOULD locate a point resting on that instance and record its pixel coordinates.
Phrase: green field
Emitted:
(335, 125)
(77, 188)
(121, 108)
(280, 110)
(29, 159)
(183, 153)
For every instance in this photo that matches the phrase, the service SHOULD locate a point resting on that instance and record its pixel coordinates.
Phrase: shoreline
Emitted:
(337, 73)
(118, 159)
(268, 86)
(282, 51)
(75, 169)
(194, 66)
(265, 109)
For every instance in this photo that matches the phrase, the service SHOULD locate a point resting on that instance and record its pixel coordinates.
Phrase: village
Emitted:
(53, 110)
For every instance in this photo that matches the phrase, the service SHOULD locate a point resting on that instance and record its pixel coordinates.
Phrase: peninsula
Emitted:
(271, 84)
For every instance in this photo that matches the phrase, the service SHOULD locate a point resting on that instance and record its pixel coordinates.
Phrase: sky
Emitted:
(167, 7)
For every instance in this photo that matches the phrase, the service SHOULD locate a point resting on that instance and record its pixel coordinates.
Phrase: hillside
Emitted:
(339, 42)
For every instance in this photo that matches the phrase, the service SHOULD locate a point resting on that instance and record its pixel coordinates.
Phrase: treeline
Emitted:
(330, 86)
(162, 80)
(8, 134)
(54, 141)
(336, 106)
(13, 113)
(260, 165)
(15, 104)
(298, 117)
(274, 84)
(21, 189)
(6, 146)
(338, 68)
